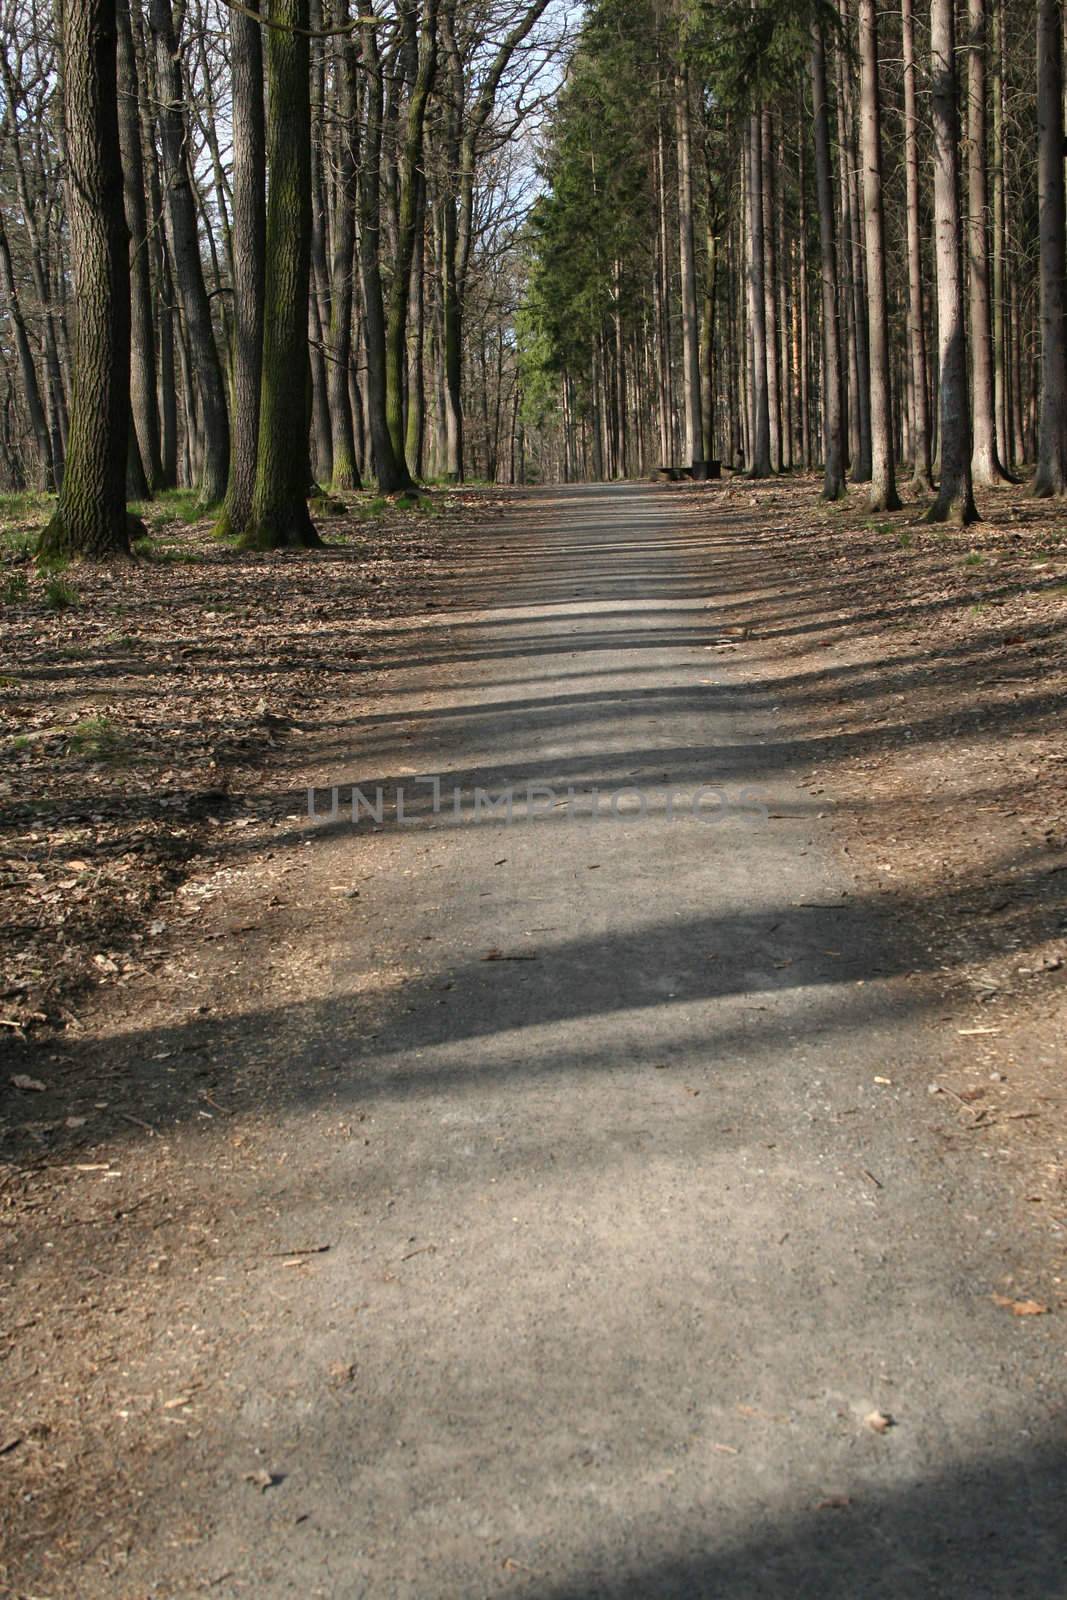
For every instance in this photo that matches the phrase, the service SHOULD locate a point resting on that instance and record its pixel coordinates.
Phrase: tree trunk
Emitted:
(279, 504)
(90, 518)
(770, 299)
(760, 466)
(1000, 318)
(921, 454)
(690, 326)
(27, 367)
(985, 457)
(248, 245)
(345, 466)
(1051, 476)
(833, 418)
(415, 424)
(955, 500)
(185, 257)
(883, 491)
(389, 473)
(407, 218)
(143, 397)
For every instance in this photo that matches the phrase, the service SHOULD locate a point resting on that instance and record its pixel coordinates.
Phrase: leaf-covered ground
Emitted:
(930, 667)
(135, 702)
(159, 728)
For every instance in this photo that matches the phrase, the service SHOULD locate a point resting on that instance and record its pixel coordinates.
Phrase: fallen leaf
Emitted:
(879, 1421)
(1021, 1308)
(834, 1502)
(21, 1081)
(178, 1400)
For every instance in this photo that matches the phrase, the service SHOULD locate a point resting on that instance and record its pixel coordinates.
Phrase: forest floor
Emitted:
(382, 1221)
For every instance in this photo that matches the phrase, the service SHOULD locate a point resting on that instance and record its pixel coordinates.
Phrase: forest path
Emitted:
(618, 1134)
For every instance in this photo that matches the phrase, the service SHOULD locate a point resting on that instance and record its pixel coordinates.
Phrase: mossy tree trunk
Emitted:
(90, 518)
(280, 516)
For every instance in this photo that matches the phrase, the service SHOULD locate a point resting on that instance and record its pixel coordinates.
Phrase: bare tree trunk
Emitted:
(1051, 476)
(90, 518)
(833, 418)
(663, 290)
(1000, 319)
(770, 300)
(407, 218)
(760, 466)
(883, 491)
(143, 399)
(248, 246)
(279, 504)
(690, 325)
(185, 257)
(388, 470)
(985, 458)
(921, 455)
(955, 500)
(27, 367)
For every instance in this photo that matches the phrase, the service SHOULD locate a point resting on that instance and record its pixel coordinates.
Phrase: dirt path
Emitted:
(546, 1206)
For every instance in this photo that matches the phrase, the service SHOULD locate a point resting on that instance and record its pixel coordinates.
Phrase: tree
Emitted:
(760, 464)
(248, 249)
(345, 466)
(921, 456)
(280, 515)
(833, 411)
(90, 518)
(184, 247)
(955, 500)
(407, 217)
(143, 398)
(883, 491)
(985, 456)
(1051, 475)
(690, 326)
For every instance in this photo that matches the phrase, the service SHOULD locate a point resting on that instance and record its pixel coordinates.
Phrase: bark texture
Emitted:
(90, 518)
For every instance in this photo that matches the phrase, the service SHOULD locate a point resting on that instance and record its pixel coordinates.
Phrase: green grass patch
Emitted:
(17, 544)
(973, 558)
(15, 590)
(372, 508)
(30, 505)
(97, 739)
(905, 539)
(148, 549)
(169, 506)
(59, 595)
